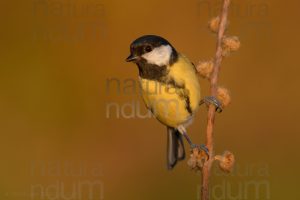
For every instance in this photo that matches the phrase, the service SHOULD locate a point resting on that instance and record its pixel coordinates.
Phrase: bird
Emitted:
(170, 90)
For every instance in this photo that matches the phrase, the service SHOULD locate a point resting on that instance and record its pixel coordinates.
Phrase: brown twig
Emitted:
(211, 111)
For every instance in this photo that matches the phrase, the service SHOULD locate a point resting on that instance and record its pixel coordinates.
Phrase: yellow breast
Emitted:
(183, 72)
(174, 101)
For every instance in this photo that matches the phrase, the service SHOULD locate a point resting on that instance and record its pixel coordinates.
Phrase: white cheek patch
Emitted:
(159, 56)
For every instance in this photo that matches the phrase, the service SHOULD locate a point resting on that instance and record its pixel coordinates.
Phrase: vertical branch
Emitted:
(211, 111)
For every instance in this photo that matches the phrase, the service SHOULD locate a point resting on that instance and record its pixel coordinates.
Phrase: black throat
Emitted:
(152, 72)
(155, 72)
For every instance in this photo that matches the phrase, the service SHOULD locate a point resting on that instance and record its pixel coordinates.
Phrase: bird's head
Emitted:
(153, 50)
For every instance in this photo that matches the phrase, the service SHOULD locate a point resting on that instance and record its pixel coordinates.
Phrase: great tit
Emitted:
(170, 89)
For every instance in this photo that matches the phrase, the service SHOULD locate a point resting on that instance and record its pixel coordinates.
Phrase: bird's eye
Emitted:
(148, 48)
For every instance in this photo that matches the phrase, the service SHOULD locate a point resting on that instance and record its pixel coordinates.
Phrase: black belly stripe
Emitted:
(188, 104)
(185, 95)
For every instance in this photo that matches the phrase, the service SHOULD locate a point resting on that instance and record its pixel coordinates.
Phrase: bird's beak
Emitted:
(131, 58)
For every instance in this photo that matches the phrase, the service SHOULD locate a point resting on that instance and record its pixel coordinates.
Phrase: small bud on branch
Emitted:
(226, 161)
(205, 69)
(230, 44)
(223, 96)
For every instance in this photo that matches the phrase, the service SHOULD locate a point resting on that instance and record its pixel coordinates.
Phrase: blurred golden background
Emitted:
(61, 139)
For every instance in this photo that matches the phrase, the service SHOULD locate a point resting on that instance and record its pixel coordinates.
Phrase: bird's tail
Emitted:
(175, 147)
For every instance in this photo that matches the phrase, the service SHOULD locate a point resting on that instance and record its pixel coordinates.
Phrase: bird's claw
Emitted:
(205, 149)
(200, 148)
(212, 100)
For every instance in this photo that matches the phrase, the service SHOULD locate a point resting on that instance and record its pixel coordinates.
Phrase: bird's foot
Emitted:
(212, 100)
(205, 149)
(201, 148)
(199, 155)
